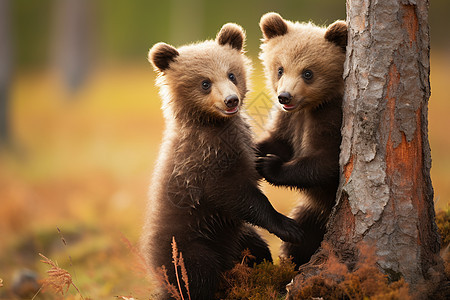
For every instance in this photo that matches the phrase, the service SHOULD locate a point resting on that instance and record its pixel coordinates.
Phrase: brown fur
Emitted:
(162, 55)
(204, 187)
(301, 147)
(337, 33)
(272, 25)
(231, 35)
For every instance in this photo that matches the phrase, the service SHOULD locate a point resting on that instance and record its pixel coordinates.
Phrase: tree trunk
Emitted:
(5, 69)
(385, 198)
(74, 41)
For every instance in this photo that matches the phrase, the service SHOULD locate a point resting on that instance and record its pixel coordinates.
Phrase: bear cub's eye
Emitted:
(232, 77)
(206, 84)
(307, 74)
(280, 72)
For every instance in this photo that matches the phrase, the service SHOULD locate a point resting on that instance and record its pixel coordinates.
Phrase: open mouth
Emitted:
(230, 111)
(288, 107)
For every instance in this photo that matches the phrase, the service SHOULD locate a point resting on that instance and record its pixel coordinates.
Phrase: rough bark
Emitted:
(385, 198)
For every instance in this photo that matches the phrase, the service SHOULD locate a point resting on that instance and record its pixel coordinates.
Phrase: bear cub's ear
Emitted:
(161, 55)
(233, 35)
(272, 25)
(337, 34)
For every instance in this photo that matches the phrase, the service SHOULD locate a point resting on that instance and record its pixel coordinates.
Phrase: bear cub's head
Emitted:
(304, 63)
(206, 79)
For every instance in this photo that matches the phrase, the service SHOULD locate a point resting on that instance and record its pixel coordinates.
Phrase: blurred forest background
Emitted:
(80, 125)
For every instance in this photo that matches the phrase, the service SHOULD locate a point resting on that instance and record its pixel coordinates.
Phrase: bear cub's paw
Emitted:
(289, 231)
(269, 167)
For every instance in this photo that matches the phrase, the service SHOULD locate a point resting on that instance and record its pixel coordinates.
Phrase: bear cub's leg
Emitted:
(313, 224)
(251, 240)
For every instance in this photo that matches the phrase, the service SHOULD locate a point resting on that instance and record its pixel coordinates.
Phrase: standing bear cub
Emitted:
(204, 189)
(304, 67)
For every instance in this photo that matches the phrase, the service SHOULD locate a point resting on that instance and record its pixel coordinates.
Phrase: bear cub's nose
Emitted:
(284, 98)
(231, 101)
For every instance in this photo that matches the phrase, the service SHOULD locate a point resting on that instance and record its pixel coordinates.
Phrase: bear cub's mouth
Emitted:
(293, 105)
(231, 111)
(228, 112)
(288, 107)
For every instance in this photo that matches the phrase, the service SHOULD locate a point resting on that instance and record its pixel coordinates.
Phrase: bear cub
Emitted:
(304, 68)
(204, 189)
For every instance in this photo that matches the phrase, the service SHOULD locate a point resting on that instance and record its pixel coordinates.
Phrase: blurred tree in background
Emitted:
(124, 30)
(74, 40)
(6, 56)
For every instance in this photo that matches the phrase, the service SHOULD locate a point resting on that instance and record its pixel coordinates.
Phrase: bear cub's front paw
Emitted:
(269, 167)
(290, 231)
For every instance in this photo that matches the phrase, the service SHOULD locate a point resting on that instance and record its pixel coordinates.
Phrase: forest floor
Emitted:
(74, 182)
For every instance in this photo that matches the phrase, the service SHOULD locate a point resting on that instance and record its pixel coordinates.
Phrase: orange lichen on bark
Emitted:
(410, 22)
(348, 169)
(404, 161)
(404, 171)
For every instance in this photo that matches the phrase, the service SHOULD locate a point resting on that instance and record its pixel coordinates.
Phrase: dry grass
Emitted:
(59, 280)
(178, 262)
(139, 264)
(443, 223)
(262, 281)
(163, 279)
(335, 281)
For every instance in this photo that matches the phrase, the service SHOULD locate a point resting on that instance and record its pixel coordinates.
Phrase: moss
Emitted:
(263, 281)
